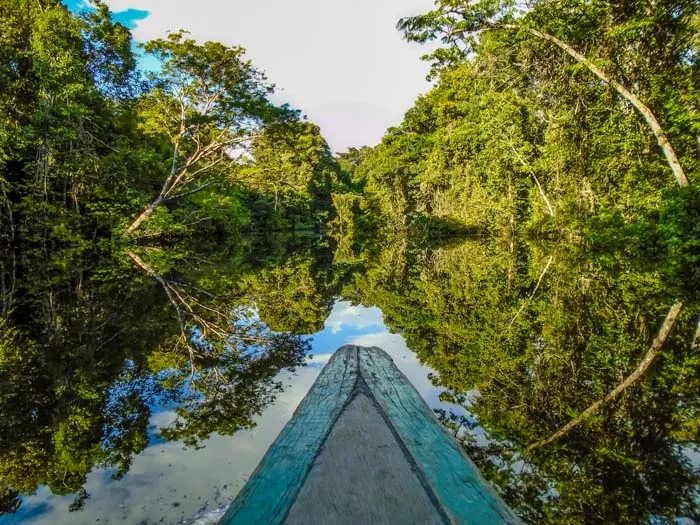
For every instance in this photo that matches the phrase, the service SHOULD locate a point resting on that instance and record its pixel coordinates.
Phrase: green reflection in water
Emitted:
(540, 354)
(527, 335)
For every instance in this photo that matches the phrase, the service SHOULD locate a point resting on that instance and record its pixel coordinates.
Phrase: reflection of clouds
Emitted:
(319, 360)
(162, 419)
(170, 482)
(345, 315)
(690, 453)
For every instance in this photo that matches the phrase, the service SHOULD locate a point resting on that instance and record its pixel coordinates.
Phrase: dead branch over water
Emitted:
(644, 365)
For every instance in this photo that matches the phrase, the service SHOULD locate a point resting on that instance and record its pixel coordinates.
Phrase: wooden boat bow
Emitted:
(364, 447)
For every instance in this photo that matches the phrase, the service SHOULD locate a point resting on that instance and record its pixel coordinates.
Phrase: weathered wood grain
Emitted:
(271, 490)
(363, 447)
(362, 476)
(463, 494)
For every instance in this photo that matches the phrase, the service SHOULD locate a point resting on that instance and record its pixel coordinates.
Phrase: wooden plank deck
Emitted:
(363, 447)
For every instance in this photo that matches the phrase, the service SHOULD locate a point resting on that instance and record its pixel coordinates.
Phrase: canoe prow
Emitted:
(364, 447)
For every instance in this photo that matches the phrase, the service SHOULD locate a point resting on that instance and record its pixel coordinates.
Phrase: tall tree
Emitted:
(603, 26)
(293, 165)
(65, 82)
(208, 103)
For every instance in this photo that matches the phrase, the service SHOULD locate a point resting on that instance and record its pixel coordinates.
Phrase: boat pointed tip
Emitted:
(369, 350)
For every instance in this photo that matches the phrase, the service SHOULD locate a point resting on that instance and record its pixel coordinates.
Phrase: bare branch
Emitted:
(532, 174)
(532, 294)
(647, 114)
(185, 194)
(644, 365)
(141, 264)
(695, 345)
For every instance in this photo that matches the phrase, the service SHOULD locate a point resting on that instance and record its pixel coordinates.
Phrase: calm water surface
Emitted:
(144, 387)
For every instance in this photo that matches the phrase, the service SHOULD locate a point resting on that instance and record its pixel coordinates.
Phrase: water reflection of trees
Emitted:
(542, 333)
(90, 347)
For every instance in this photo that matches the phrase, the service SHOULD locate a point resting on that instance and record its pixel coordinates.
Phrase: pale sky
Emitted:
(342, 63)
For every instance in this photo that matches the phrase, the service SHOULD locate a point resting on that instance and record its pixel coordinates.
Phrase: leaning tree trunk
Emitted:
(145, 214)
(649, 117)
(695, 344)
(644, 365)
(167, 186)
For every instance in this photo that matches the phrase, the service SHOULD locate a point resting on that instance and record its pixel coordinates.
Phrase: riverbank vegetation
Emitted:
(565, 121)
(525, 336)
(530, 127)
(92, 148)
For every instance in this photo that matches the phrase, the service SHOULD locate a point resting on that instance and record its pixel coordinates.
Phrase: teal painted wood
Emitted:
(273, 487)
(454, 479)
(448, 475)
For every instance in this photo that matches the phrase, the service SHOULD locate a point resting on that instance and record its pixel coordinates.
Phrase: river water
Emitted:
(144, 386)
(170, 483)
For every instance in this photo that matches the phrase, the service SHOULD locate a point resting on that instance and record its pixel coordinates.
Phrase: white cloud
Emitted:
(319, 359)
(172, 483)
(346, 315)
(343, 63)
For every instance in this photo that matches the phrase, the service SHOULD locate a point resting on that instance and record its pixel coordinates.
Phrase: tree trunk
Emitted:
(649, 117)
(10, 216)
(168, 185)
(532, 294)
(144, 215)
(649, 358)
(3, 292)
(152, 273)
(537, 181)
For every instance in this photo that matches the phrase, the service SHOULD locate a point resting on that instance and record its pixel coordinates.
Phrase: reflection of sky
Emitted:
(171, 482)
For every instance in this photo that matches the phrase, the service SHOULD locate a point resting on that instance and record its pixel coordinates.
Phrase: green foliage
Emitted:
(94, 344)
(518, 136)
(290, 297)
(59, 124)
(86, 142)
(291, 166)
(527, 337)
(516, 140)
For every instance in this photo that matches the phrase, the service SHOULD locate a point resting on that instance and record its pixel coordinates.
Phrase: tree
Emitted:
(291, 163)
(63, 83)
(85, 139)
(525, 351)
(208, 104)
(459, 25)
(80, 374)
